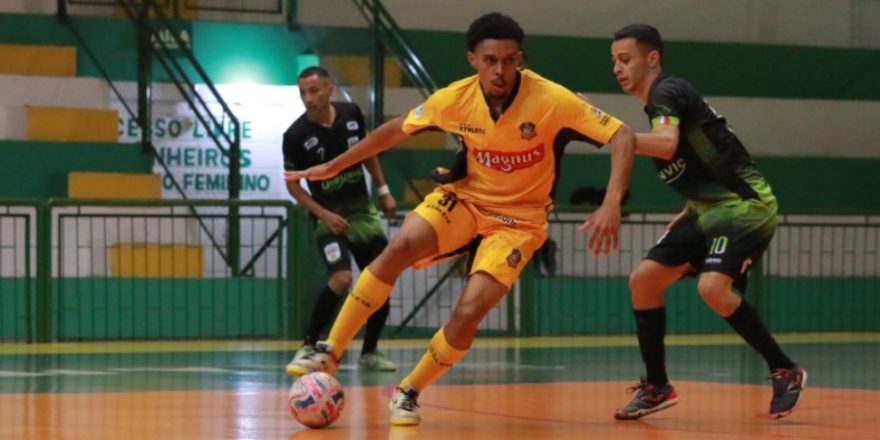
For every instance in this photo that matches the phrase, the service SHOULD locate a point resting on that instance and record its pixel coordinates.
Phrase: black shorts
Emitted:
(726, 238)
(337, 251)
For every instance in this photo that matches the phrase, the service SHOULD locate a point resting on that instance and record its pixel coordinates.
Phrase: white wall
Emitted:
(767, 126)
(779, 127)
(837, 23)
(51, 7)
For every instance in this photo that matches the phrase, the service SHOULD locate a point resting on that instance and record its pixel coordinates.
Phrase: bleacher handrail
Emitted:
(396, 43)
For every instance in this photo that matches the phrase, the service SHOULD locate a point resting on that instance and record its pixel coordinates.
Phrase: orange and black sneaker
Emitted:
(650, 399)
(787, 387)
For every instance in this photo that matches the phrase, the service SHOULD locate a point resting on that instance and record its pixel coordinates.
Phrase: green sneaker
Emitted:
(376, 361)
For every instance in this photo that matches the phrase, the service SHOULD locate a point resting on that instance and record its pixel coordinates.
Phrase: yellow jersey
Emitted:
(512, 162)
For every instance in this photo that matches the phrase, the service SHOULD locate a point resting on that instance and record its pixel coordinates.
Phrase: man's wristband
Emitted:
(383, 190)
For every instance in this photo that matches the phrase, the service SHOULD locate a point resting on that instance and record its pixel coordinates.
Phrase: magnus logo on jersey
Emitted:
(673, 171)
(310, 143)
(510, 162)
(351, 125)
(527, 130)
(352, 140)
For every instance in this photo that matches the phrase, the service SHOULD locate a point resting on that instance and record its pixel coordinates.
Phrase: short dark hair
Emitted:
(645, 35)
(494, 26)
(318, 71)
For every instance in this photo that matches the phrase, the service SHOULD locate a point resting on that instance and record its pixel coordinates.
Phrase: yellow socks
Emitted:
(439, 358)
(368, 295)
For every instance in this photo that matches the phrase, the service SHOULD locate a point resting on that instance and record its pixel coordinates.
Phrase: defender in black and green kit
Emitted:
(346, 222)
(727, 223)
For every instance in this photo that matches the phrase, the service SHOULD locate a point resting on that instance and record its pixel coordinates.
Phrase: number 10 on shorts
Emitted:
(718, 246)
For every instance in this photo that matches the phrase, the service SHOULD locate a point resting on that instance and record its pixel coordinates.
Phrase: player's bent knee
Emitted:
(710, 291)
(467, 315)
(340, 282)
(642, 283)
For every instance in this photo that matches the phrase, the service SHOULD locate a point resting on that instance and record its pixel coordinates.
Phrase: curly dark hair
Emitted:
(494, 26)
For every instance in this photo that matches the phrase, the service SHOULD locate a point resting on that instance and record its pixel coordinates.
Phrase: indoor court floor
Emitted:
(554, 388)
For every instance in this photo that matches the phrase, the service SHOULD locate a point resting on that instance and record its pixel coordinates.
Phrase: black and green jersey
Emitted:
(307, 144)
(710, 164)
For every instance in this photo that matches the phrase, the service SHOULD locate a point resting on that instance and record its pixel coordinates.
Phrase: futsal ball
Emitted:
(316, 400)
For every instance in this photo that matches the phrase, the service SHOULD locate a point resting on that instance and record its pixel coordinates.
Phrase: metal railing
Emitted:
(18, 241)
(159, 38)
(115, 269)
(106, 270)
(389, 34)
(821, 273)
(176, 6)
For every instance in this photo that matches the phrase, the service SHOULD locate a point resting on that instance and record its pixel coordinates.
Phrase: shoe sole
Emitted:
(405, 422)
(779, 415)
(378, 370)
(643, 412)
(296, 371)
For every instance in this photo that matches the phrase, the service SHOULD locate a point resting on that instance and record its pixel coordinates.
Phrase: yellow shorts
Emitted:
(508, 241)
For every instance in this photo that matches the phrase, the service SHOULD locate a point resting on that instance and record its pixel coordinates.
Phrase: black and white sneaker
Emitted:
(404, 407)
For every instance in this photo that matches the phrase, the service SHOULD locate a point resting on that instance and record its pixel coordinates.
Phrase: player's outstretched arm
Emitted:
(661, 142)
(386, 136)
(605, 222)
(386, 201)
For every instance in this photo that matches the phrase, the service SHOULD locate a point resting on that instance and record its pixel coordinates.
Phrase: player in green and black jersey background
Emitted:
(346, 222)
(727, 223)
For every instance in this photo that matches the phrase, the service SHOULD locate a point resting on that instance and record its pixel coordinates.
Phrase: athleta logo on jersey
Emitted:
(464, 127)
(510, 162)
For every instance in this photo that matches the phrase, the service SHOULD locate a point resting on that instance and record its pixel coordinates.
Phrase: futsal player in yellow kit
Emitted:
(514, 125)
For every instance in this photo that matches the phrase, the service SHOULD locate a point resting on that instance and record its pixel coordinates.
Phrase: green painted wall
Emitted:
(268, 53)
(800, 184)
(235, 52)
(229, 52)
(219, 308)
(39, 169)
(108, 309)
(717, 69)
(570, 306)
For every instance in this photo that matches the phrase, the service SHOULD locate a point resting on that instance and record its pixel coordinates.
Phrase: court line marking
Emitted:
(387, 392)
(398, 344)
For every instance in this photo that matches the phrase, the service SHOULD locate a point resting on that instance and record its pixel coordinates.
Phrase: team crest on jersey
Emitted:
(527, 130)
(418, 111)
(351, 125)
(352, 140)
(310, 143)
(514, 258)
